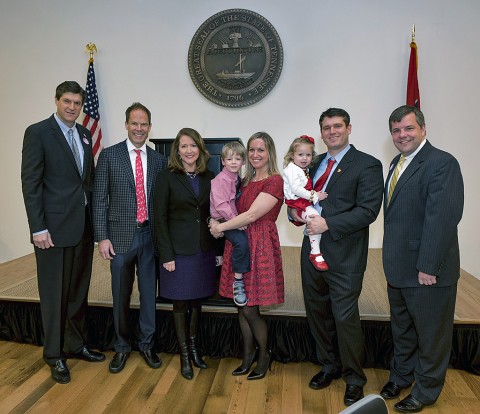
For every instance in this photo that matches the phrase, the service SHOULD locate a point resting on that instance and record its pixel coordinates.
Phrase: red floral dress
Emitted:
(264, 282)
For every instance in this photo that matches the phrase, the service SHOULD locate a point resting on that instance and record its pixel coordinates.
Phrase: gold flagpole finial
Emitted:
(413, 33)
(91, 48)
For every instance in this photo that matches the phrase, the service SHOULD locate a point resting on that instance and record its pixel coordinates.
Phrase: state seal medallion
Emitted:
(235, 58)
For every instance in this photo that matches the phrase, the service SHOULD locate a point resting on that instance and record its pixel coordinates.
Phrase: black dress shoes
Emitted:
(242, 369)
(88, 355)
(353, 393)
(409, 405)
(151, 358)
(391, 390)
(323, 379)
(118, 362)
(60, 372)
(258, 372)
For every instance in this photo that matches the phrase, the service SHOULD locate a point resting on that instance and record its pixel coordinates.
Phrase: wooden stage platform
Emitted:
(290, 341)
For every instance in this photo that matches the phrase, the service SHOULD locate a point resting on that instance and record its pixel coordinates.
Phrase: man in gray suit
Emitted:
(354, 183)
(123, 226)
(57, 176)
(423, 205)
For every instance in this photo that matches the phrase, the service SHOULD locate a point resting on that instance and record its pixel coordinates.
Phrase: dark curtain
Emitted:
(219, 337)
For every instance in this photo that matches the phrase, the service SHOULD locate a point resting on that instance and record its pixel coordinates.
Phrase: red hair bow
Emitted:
(308, 138)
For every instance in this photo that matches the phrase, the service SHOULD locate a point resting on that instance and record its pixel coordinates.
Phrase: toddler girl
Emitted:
(299, 192)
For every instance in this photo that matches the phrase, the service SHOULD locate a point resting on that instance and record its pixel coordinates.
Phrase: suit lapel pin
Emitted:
(85, 140)
(339, 170)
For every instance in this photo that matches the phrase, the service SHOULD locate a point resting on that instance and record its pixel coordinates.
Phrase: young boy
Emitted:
(225, 189)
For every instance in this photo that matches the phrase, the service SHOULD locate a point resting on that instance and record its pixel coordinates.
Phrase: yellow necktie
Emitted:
(393, 181)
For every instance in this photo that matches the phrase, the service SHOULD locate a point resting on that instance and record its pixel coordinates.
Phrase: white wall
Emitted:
(351, 54)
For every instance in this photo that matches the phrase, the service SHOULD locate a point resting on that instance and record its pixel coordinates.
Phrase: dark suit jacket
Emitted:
(354, 198)
(114, 196)
(421, 220)
(181, 216)
(53, 189)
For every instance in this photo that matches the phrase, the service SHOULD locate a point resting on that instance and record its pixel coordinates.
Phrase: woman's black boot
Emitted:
(192, 345)
(180, 328)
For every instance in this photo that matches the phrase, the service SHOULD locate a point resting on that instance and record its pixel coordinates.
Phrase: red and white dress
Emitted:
(297, 187)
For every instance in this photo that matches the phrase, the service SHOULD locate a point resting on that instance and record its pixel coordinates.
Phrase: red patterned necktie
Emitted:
(140, 190)
(323, 179)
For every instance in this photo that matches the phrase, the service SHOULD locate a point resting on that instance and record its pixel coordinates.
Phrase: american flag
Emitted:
(92, 115)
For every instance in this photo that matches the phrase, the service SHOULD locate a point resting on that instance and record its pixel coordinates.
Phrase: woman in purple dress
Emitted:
(185, 245)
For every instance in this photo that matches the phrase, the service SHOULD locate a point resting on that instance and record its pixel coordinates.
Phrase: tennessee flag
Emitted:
(413, 93)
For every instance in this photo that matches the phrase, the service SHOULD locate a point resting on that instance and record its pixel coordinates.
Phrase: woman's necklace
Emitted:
(192, 175)
(261, 179)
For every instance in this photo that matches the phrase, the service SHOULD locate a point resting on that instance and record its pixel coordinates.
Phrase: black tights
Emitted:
(254, 329)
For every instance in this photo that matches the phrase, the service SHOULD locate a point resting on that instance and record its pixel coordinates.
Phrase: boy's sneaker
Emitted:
(239, 296)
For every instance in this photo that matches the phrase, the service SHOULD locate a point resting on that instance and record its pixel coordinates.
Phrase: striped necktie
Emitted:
(323, 179)
(76, 153)
(393, 181)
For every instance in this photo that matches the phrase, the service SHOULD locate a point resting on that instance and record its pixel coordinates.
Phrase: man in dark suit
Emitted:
(423, 205)
(123, 224)
(354, 186)
(56, 187)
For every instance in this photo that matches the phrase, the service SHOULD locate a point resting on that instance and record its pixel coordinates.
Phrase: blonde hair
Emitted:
(272, 157)
(293, 147)
(234, 148)
(175, 163)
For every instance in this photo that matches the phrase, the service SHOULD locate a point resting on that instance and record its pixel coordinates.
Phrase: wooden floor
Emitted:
(26, 387)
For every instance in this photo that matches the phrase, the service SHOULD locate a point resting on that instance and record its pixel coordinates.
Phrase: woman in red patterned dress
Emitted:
(258, 207)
